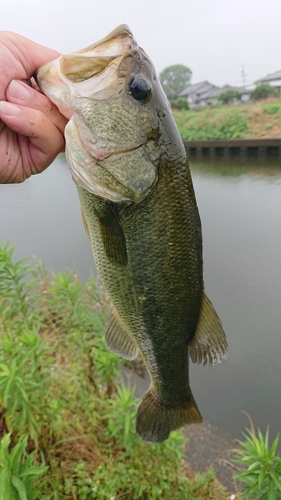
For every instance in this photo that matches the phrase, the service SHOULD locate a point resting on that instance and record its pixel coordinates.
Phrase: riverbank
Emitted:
(262, 149)
(64, 408)
(260, 120)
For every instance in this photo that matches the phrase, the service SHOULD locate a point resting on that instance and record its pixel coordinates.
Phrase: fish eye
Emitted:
(140, 89)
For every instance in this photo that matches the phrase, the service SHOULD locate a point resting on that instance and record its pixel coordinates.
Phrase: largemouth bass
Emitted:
(138, 205)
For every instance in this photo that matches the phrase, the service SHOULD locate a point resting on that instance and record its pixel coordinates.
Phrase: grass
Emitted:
(259, 467)
(67, 431)
(220, 122)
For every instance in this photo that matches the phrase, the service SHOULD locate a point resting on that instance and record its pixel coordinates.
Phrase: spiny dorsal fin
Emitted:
(209, 343)
(118, 340)
(112, 235)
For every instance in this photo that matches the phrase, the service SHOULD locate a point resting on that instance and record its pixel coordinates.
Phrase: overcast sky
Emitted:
(214, 38)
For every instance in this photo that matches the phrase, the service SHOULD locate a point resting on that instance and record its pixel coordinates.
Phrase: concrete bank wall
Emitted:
(261, 148)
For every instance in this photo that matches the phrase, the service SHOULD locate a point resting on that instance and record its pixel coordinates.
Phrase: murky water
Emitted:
(240, 208)
(42, 217)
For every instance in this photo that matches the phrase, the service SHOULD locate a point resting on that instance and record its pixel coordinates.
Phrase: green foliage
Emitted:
(121, 417)
(229, 95)
(179, 103)
(174, 79)
(138, 471)
(59, 400)
(263, 91)
(18, 474)
(272, 108)
(254, 119)
(16, 289)
(259, 467)
(23, 381)
(223, 124)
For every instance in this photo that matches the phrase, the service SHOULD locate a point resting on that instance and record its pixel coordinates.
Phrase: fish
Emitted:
(138, 205)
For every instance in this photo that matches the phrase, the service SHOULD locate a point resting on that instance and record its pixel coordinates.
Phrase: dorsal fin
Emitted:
(209, 343)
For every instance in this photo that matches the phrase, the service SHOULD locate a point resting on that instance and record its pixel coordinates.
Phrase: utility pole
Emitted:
(243, 74)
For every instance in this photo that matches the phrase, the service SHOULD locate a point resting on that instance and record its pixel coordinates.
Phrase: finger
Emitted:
(46, 140)
(31, 55)
(20, 93)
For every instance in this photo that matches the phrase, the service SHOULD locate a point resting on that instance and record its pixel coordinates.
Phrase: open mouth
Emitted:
(71, 75)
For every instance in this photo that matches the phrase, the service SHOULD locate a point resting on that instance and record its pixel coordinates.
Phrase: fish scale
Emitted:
(159, 295)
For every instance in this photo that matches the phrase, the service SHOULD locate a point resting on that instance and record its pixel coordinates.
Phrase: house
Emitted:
(204, 93)
(197, 94)
(244, 91)
(273, 79)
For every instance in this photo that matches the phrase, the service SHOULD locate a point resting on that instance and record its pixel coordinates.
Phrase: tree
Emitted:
(229, 95)
(174, 79)
(179, 103)
(263, 91)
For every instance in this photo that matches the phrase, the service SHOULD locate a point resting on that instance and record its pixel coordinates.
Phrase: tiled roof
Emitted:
(197, 88)
(272, 76)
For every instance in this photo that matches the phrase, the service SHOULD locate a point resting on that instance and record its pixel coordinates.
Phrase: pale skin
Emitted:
(31, 127)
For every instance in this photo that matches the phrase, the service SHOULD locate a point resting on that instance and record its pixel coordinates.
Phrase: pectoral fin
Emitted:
(118, 340)
(209, 343)
(112, 235)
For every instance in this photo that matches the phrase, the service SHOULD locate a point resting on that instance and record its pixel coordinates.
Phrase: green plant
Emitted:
(203, 125)
(16, 289)
(272, 108)
(23, 381)
(229, 95)
(147, 472)
(63, 399)
(18, 475)
(122, 416)
(259, 468)
(263, 91)
(179, 103)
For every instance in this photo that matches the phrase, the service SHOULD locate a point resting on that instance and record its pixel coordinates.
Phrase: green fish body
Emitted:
(139, 210)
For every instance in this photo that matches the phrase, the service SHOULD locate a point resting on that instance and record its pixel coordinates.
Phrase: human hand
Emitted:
(31, 127)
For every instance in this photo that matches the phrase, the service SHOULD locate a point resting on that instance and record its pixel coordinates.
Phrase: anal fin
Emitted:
(209, 343)
(118, 340)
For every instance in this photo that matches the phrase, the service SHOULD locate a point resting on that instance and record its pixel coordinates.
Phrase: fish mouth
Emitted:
(71, 75)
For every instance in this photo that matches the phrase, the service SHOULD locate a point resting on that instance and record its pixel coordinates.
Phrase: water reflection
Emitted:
(236, 168)
(240, 206)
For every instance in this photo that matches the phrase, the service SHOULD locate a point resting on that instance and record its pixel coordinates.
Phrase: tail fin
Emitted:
(155, 421)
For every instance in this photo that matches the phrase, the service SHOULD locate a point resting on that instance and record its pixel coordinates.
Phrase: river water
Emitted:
(240, 207)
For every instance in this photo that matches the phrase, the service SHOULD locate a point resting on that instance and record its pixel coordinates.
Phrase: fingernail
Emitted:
(9, 109)
(19, 90)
